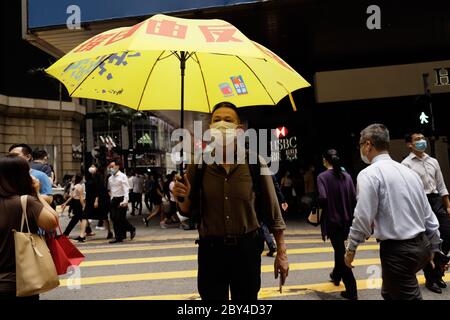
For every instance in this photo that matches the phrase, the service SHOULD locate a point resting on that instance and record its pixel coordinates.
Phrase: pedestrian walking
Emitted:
(148, 187)
(119, 191)
(230, 240)
(393, 206)
(337, 199)
(77, 203)
(15, 180)
(97, 202)
(430, 173)
(138, 189)
(157, 197)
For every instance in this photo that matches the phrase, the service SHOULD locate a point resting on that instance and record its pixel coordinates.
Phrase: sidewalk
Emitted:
(154, 233)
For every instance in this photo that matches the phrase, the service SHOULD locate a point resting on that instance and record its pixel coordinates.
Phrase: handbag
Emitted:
(315, 216)
(35, 270)
(64, 253)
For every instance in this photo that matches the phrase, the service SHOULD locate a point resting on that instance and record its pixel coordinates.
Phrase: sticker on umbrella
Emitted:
(239, 85)
(226, 89)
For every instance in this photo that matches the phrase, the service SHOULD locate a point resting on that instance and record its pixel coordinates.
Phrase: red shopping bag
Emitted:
(63, 251)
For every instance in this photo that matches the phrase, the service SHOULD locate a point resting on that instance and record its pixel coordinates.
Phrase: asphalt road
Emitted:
(161, 264)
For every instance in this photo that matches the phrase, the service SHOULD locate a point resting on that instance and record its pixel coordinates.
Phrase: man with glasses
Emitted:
(393, 206)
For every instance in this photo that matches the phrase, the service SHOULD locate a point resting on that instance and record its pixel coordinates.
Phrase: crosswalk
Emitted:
(167, 271)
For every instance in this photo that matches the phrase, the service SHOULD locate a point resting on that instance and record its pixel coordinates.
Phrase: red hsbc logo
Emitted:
(281, 132)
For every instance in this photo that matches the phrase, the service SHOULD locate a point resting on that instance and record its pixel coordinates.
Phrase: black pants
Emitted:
(432, 275)
(236, 268)
(400, 261)
(77, 216)
(341, 271)
(137, 202)
(119, 219)
(148, 203)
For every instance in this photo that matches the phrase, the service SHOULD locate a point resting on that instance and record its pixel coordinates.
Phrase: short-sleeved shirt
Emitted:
(43, 167)
(45, 184)
(10, 218)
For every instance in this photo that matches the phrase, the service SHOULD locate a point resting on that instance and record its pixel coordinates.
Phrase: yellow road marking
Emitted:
(180, 246)
(193, 273)
(266, 293)
(193, 257)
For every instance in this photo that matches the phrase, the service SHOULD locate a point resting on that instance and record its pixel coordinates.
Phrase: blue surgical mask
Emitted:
(421, 145)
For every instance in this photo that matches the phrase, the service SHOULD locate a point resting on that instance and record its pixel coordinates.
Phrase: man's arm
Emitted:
(440, 185)
(126, 189)
(365, 212)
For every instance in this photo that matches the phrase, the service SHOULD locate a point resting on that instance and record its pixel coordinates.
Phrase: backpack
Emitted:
(197, 191)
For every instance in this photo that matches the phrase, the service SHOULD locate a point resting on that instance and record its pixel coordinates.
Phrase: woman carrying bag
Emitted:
(15, 181)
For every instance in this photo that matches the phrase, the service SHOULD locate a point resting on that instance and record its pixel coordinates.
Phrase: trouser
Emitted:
(119, 219)
(77, 216)
(341, 271)
(268, 238)
(230, 264)
(400, 261)
(435, 200)
(148, 202)
(10, 296)
(137, 202)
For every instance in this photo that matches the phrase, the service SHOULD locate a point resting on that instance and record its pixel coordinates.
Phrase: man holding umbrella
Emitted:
(230, 240)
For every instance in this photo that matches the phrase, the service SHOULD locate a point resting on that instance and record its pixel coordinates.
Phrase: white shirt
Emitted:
(172, 197)
(118, 186)
(138, 184)
(429, 172)
(391, 198)
(131, 182)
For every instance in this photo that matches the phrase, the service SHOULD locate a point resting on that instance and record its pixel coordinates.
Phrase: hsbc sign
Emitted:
(284, 148)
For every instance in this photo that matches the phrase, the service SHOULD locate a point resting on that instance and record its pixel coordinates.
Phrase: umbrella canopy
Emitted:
(140, 67)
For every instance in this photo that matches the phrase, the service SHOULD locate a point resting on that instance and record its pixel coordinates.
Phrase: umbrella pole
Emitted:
(183, 55)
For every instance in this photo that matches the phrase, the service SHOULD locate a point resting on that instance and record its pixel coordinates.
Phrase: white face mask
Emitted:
(364, 158)
(92, 170)
(223, 132)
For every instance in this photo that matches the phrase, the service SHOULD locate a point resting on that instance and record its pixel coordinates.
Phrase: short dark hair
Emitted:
(332, 157)
(15, 176)
(78, 178)
(408, 136)
(26, 149)
(225, 104)
(39, 154)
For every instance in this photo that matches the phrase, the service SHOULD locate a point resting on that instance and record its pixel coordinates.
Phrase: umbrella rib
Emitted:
(148, 78)
(256, 76)
(204, 82)
(103, 60)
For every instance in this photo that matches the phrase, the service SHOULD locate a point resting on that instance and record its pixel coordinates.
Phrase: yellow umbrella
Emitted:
(140, 67)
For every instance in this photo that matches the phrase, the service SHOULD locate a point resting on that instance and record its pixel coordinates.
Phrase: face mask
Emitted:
(364, 158)
(223, 132)
(112, 171)
(421, 145)
(92, 170)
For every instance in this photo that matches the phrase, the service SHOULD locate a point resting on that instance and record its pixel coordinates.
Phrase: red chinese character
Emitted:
(124, 34)
(94, 42)
(166, 28)
(222, 33)
(274, 56)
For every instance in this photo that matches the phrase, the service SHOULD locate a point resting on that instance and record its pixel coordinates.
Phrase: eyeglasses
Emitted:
(361, 143)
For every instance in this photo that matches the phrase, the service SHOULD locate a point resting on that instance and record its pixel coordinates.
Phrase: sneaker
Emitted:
(163, 225)
(99, 228)
(271, 252)
(80, 239)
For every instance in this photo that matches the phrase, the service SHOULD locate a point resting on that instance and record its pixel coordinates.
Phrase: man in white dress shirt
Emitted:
(430, 173)
(118, 189)
(393, 206)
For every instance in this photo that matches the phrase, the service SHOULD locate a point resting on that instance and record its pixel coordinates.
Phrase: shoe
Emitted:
(110, 236)
(348, 296)
(163, 225)
(433, 287)
(271, 252)
(116, 241)
(91, 234)
(441, 283)
(145, 220)
(99, 228)
(80, 239)
(335, 281)
(133, 234)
